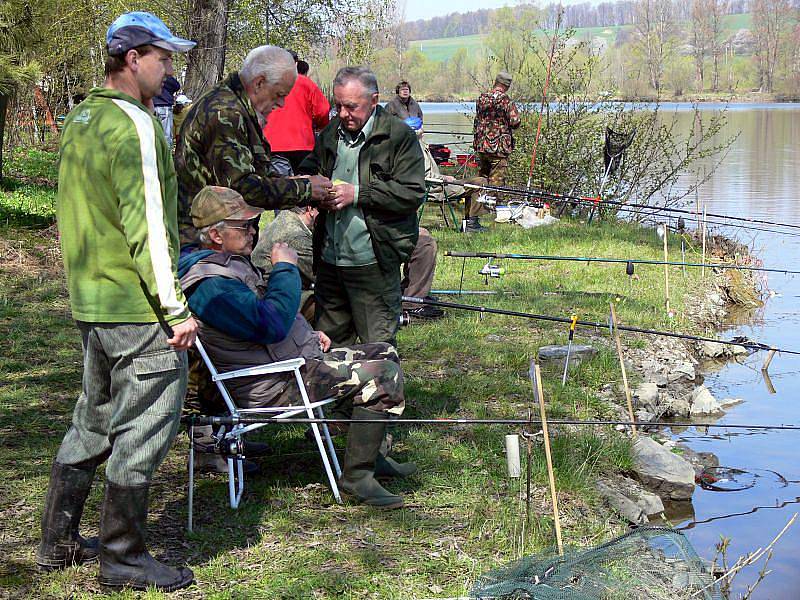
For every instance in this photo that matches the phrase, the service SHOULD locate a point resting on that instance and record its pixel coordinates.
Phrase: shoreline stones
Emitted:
(557, 354)
(629, 499)
(662, 471)
(704, 403)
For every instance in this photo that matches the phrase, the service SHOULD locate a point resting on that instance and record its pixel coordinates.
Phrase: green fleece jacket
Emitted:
(117, 213)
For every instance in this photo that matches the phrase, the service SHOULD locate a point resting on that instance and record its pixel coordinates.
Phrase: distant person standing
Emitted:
(403, 105)
(495, 116)
(290, 129)
(164, 104)
(180, 110)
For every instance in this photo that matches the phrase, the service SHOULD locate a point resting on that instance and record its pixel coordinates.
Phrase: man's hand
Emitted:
(342, 196)
(281, 252)
(320, 187)
(183, 334)
(324, 341)
(448, 179)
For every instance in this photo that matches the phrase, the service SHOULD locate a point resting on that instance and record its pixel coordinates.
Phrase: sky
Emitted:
(425, 9)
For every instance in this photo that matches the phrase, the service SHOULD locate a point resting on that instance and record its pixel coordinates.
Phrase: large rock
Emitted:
(712, 349)
(647, 394)
(677, 407)
(629, 499)
(683, 371)
(559, 353)
(667, 474)
(704, 403)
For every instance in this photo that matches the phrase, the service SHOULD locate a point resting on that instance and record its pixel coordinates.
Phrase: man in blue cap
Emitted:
(117, 219)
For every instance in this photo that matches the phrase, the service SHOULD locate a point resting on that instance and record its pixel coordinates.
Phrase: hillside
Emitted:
(442, 49)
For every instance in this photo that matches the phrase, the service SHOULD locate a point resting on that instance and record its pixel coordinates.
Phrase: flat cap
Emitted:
(503, 77)
(213, 204)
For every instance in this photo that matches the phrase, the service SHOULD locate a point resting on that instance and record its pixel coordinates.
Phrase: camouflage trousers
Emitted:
(493, 167)
(366, 375)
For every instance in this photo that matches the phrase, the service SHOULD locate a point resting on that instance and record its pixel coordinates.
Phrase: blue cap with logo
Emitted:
(135, 29)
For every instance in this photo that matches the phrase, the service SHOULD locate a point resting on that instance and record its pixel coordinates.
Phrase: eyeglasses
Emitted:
(245, 227)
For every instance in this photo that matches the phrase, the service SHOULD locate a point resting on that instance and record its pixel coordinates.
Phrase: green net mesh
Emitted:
(647, 563)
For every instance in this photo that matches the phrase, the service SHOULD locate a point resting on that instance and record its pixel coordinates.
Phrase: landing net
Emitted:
(649, 563)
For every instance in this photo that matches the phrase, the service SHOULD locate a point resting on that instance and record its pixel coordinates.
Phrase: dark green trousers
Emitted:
(130, 404)
(357, 302)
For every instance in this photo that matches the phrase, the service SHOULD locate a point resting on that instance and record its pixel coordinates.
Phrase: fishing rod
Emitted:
(593, 201)
(456, 133)
(544, 94)
(542, 195)
(249, 420)
(513, 313)
(699, 221)
(636, 261)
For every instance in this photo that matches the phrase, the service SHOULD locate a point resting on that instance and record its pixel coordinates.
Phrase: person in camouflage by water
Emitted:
(245, 321)
(495, 118)
(221, 141)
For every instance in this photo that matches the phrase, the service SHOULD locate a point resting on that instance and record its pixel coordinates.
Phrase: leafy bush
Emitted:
(34, 164)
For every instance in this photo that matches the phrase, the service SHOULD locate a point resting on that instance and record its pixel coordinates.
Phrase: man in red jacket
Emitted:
(290, 129)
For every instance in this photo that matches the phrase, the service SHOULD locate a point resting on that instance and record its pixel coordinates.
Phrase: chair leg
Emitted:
(191, 478)
(320, 445)
(331, 450)
(453, 216)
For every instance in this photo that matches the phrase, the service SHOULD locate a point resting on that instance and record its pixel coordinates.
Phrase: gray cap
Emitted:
(503, 77)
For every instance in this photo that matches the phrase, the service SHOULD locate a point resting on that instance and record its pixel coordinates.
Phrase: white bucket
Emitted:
(503, 214)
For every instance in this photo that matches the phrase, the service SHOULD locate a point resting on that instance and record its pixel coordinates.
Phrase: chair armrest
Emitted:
(278, 367)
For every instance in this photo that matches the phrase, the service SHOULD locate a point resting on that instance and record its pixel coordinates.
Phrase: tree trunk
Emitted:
(208, 25)
(3, 109)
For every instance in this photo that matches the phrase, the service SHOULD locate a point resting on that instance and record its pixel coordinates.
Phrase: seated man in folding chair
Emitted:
(450, 190)
(246, 321)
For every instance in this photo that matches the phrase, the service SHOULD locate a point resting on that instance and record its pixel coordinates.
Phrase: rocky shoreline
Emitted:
(671, 386)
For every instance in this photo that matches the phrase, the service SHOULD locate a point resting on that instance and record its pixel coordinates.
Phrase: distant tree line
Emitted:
(586, 14)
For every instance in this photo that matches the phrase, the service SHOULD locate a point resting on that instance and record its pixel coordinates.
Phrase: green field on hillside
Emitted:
(443, 49)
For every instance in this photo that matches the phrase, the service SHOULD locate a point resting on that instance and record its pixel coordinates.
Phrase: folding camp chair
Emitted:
(433, 187)
(232, 438)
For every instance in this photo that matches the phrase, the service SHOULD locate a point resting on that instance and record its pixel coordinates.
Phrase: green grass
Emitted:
(27, 193)
(289, 539)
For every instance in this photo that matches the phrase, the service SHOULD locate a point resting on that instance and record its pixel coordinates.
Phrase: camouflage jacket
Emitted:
(221, 143)
(495, 117)
(290, 229)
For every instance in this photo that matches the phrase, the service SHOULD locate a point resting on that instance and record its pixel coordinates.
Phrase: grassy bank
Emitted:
(289, 540)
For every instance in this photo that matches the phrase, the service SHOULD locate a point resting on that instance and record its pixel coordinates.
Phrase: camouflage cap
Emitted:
(214, 203)
(504, 78)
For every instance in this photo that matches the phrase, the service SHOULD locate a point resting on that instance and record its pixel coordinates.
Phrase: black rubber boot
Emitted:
(358, 473)
(124, 559)
(386, 467)
(62, 546)
(474, 225)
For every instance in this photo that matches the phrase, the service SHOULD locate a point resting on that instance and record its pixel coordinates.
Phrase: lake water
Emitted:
(760, 178)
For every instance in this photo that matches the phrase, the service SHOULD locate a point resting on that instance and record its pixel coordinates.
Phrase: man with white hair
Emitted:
(222, 143)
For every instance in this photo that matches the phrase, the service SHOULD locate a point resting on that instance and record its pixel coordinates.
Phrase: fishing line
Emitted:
(538, 317)
(544, 95)
(753, 510)
(636, 261)
(454, 133)
(543, 195)
(251, 420)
